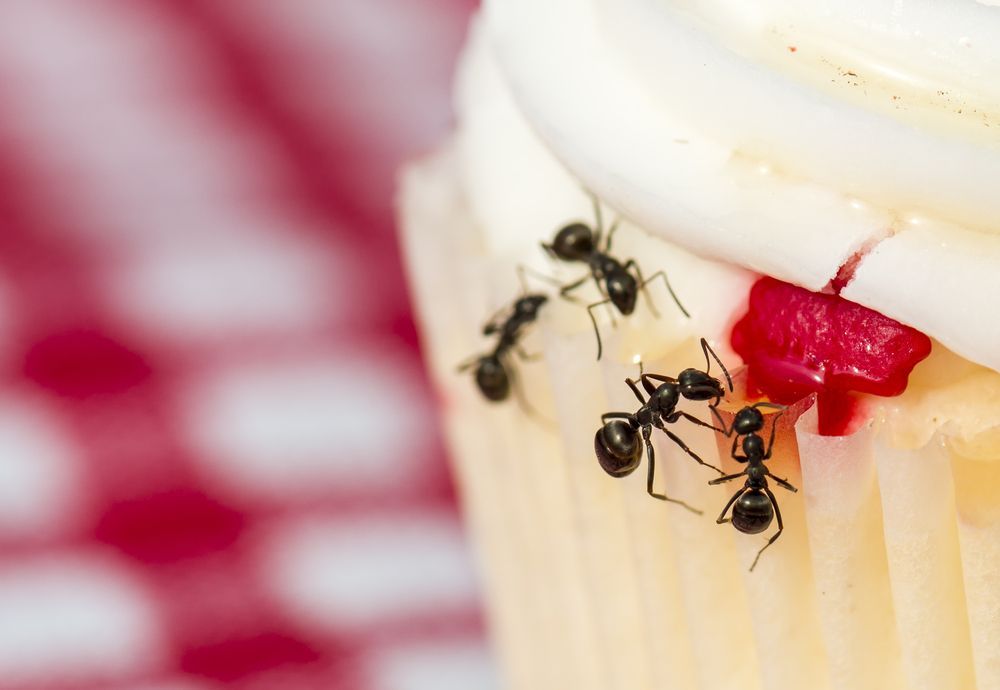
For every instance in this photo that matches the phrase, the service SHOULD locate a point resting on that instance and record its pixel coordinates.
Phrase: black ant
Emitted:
(617, 442)
(494, 375)
(754, 506)
(580, 242)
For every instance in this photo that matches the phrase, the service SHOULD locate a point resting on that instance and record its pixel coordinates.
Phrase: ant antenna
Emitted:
(774, 423)
(597, 212)
(526, 407)
(706, 348)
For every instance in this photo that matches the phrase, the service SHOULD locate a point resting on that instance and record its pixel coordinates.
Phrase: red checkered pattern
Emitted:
(218, 460)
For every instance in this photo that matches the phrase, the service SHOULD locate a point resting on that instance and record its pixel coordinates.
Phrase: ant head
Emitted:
(753, 446)
(666, 396)
(575, 242)
(749, 420)
(623, 290)
(529, 305)
(698, 385)
(617, 447)
(491, 377)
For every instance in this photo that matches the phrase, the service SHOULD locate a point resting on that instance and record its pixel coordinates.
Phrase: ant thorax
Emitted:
(666, 397)
(753, 446)
(606, 265)
(527, 307)
(756, 475)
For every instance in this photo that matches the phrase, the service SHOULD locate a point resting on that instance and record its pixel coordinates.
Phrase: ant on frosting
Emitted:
(616, 443)
(754, 506)
(578, 242)
(494, 371)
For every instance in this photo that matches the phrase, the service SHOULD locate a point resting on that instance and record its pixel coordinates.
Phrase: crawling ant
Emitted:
(617, 442)
(494, 374)
(578, 242)
(754, 506)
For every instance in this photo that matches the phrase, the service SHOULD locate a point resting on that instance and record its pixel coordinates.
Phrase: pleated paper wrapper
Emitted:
(887, 574)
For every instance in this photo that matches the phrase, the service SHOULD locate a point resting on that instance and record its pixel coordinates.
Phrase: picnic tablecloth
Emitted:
(219, 462)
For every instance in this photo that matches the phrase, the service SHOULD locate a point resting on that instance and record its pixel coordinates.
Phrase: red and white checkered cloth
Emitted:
(218, 457)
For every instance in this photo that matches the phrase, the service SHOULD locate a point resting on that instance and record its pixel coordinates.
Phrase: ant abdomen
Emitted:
(492, 379)
(622, 291)
(752, 512)
(618, 448)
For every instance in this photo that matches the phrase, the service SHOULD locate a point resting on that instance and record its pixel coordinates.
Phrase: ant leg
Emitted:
(469, 363)
(782, 482)
(611, 315)
(566, 289)
(599, 222)
(611, 234)
(722, 516)
(718, 417)
(691, 418)
(604, 293)
(659, 377)
(522, 273)
(648, 385)
(635, 389)
(676, 439)
(522, 400)
(727, 478)
(670, 289)
(646, 378)
(642, 286)
(777, 514)
(732, 453)
(646, 431)
(525, 356)
(706, 348)
(495, 321)
(770, 442)
(673, 294)
(593, 320)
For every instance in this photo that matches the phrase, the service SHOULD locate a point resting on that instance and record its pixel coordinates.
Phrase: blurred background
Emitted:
(219, 463)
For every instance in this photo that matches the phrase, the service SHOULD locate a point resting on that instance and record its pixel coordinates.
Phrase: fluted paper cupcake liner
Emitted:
(886, 575)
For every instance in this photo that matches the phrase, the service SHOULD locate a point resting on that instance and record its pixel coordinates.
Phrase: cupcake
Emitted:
(816, 182)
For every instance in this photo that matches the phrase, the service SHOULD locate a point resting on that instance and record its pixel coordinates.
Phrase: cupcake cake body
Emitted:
(728, 156)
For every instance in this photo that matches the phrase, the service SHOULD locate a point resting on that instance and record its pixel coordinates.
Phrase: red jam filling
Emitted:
(796, 342)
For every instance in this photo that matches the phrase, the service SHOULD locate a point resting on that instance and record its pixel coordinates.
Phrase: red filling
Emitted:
(796, 342)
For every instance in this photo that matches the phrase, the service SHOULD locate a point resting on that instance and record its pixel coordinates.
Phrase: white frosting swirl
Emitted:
(787, 137)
